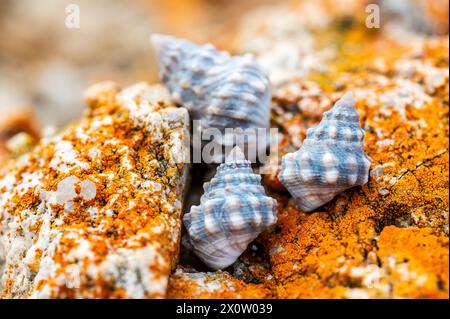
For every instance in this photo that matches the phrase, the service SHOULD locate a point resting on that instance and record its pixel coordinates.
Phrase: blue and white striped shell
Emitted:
(331, 159)
(233, 211)
(219, 90)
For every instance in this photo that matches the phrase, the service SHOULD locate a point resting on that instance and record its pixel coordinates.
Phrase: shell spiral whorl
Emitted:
(331, 159)
(220, 90)
(233, 211)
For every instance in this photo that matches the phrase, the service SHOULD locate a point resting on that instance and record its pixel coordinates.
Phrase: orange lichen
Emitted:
(339, 251)
(426, 259)
(102, 200)
(386, 239)
(335, 253)
(218, 285)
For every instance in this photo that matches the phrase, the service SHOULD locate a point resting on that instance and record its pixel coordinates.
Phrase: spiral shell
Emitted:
(233, 211)
(330, 160)
(219, 90)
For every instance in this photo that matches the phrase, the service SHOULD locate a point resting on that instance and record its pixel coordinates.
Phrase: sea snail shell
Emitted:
(219, 90)
(331, 159)
(233, 211)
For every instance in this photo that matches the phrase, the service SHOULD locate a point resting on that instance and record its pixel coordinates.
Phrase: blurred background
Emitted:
(45, 66)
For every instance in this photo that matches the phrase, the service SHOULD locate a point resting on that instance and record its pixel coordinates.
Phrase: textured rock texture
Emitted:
(389, 238)
(213, 285)
(95, 211)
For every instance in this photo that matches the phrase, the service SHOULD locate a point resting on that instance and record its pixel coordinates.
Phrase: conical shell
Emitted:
(219, 90)
(330, 160)
(233, 211)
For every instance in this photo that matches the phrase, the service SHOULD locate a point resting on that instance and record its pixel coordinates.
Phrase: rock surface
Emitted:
(19, 131)
(95, 201)
(389, 238)
(213, 285)
(95, 211)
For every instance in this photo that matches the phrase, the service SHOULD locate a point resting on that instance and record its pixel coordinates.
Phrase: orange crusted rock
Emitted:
(401, 91)
(214, 285)
(95, 211)
(418, 261)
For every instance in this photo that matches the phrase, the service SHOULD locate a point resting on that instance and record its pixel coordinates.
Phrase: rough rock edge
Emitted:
(42, 242)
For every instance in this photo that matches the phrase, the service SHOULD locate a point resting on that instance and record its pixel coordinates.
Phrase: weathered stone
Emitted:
(356, 245)
(95, 211)
(213, 285)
